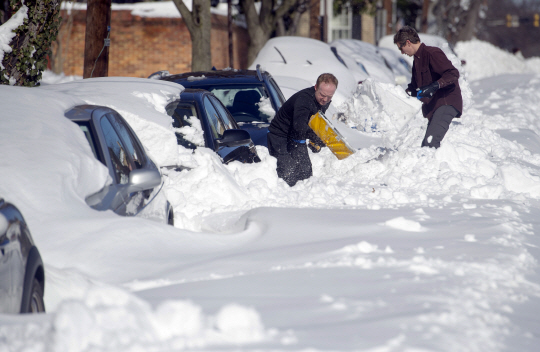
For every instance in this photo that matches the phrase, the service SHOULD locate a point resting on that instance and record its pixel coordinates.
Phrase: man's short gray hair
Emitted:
(326, 78)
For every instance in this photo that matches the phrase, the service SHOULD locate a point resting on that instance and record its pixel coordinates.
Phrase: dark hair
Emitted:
(326, 78)
(404, 34)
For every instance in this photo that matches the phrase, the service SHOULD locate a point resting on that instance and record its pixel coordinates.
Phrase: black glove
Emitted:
(315, 143)
(427, 91)
(315, 148)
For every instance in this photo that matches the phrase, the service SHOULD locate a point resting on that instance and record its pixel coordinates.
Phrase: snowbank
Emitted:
(412, 250)
(486, 60)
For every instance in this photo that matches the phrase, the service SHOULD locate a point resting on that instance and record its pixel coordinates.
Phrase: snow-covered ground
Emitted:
(412, 250)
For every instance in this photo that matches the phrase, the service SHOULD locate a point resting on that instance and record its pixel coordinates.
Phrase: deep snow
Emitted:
(412, 250)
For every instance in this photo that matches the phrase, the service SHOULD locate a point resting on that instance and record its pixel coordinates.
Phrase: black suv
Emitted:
(251, 96)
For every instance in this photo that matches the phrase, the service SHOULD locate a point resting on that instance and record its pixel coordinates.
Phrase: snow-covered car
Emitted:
(145, 114)
(306, 58)
(136, 187)
(251, 96)
(356, 67)
(290, 85)
(401, 67)
(22, 275)
(367, 55)
(201, 120)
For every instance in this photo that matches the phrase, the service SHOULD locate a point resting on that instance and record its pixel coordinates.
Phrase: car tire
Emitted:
(37, 305)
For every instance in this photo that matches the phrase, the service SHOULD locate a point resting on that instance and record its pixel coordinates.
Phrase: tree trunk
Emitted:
(314, 19)
(257, 39)
(5, 11)
(468, 30)
(199, 24)
(30, 46)
(425, 13)
(64, 36)
(96, 51)
(293, 19)
(260, 26)
(455, 20)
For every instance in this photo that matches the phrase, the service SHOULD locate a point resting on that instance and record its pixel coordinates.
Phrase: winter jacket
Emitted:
(431, 64)
(291, 121)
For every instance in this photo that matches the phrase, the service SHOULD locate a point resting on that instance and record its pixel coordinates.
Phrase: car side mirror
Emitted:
(234, 138)
(143, 179)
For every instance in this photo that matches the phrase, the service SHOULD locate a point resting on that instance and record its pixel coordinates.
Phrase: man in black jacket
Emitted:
(289, 130)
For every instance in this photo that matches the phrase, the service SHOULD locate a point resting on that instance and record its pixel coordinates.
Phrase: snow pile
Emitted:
(265, 107)
(412, 250)
(109, 318)
(471, 162)
(49, 77)
(193, 131)
(379, 107)
(486, 60)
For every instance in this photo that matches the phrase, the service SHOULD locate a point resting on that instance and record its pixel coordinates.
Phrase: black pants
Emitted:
(438, 126)
(293, 163)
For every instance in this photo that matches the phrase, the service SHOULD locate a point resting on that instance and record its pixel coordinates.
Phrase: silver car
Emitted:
(22, 277)
(136, 188)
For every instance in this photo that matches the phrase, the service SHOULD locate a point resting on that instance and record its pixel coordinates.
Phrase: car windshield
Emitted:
(246, 103)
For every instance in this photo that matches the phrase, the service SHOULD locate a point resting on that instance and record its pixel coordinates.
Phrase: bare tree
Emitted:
(261, 25)
(288, 23)
(199, 24)
(456, 20)
(271, 16)
(409, 11)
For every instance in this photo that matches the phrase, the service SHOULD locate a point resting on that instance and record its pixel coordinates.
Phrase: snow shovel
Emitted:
(324, 129)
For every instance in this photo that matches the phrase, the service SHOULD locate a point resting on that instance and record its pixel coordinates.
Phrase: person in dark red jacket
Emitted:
(434, 82)
(289, 130)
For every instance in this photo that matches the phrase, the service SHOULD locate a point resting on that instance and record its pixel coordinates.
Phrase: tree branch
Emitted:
(186, 14)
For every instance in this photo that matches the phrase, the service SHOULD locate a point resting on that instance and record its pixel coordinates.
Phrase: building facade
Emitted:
(140, 46)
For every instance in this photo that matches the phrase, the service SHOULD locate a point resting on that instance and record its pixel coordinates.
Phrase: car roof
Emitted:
(84, 112)
(306, 58)
(194, 94)
(216, 77)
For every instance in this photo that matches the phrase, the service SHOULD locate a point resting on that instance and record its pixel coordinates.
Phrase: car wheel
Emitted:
(37, 305)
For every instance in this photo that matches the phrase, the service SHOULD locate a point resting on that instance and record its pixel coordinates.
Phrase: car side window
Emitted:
(117, 152)
(85, 128)
(276, 93)
(131, 144)
(223, 112)
(216, 125)
(181, 112)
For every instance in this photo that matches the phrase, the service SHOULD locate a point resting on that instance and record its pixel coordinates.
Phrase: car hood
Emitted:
(257, 131)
